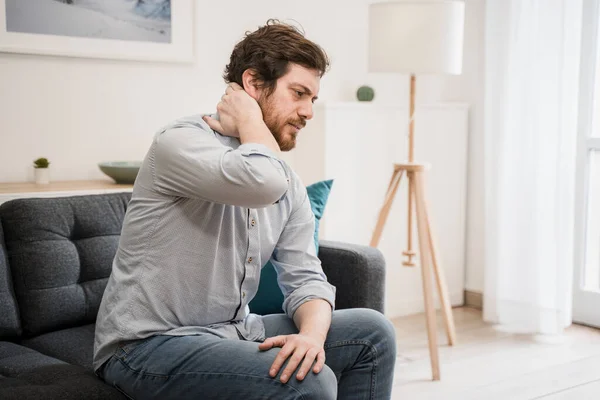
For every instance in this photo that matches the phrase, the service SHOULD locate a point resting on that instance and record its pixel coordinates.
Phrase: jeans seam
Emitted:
(371, 348)
(374, 371)
(340, 343)
(145, 373)
(122, 391)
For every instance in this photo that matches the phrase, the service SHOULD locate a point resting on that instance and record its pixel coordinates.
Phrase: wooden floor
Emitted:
(489, 364)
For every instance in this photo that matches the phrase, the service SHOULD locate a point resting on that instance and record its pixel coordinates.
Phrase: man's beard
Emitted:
(277, 124)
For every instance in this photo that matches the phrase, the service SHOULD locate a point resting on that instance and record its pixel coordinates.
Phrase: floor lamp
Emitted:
(417, 37)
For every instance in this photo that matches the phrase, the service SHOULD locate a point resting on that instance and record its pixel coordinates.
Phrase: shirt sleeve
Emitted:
(299, 272)
(190, 162)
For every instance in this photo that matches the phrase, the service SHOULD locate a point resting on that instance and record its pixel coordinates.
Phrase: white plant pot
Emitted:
(42, 176)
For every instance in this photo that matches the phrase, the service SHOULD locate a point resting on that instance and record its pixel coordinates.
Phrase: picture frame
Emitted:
(179, 49)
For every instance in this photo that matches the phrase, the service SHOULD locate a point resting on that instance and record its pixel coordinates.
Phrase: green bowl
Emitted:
(121, 171)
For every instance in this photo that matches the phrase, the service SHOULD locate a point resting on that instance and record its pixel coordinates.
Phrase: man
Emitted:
(213, 202)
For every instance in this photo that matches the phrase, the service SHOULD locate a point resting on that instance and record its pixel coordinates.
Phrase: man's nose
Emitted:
(306, 111)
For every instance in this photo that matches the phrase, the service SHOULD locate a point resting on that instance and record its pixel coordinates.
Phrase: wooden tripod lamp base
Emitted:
(435, 47)
(429, 255)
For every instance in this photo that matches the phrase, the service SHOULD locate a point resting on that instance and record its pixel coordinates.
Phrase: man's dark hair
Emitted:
(269, 50)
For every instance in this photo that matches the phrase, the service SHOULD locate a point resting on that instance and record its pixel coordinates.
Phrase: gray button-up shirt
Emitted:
(205, 215)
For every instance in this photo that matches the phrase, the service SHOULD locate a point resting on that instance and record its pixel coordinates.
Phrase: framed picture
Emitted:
(152, 30)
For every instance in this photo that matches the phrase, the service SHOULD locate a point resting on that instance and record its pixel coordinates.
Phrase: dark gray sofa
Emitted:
(55, 259)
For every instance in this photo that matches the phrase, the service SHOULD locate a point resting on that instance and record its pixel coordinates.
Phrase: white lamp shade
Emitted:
(416, 37)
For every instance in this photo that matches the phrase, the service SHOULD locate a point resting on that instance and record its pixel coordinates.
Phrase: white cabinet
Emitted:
(356, 144)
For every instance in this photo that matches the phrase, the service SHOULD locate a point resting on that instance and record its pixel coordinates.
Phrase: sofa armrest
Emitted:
(357, 272)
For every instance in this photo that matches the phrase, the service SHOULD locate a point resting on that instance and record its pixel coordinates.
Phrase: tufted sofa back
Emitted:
(10, 326)
(60, 253)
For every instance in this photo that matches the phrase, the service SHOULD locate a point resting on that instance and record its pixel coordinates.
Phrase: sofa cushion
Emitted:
(27, 374)
(10, 327)
(16, 359)
(73, 345)
(60, 251)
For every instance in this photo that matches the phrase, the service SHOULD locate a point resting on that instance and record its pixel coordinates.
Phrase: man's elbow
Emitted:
(268, 190)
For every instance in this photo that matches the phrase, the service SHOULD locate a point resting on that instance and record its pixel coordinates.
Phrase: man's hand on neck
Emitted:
(241, 116)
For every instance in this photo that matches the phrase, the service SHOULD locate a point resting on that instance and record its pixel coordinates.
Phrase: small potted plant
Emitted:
(42, 172)
(365, 93)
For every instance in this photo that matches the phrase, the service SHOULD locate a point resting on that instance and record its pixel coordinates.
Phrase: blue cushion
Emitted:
(269, 299)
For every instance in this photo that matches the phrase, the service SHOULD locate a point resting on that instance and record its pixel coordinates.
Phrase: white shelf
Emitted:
(18, 190)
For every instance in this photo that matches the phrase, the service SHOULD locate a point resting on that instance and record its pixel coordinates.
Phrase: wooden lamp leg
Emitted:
(427, 278)
(387, 205)
(438, 271)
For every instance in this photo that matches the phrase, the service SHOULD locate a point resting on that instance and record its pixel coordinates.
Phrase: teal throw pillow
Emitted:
(269, 299)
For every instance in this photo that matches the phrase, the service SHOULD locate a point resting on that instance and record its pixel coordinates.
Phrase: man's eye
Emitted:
(299, 93)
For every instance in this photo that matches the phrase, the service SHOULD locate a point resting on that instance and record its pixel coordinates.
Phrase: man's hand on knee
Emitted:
(298, 348)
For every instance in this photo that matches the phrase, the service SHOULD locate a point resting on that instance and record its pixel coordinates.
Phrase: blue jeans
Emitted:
(360, 353)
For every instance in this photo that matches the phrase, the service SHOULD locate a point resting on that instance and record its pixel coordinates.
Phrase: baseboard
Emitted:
(474, 299)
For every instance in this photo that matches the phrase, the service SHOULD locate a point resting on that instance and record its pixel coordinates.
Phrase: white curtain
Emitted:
(532, 58)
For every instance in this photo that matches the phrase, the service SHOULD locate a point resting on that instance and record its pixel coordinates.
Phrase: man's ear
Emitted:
(250, 84)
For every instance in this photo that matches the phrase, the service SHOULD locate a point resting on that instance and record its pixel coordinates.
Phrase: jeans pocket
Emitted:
(126, 349)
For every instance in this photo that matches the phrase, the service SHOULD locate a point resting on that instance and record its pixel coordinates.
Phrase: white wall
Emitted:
(361, 171)
(78, 112)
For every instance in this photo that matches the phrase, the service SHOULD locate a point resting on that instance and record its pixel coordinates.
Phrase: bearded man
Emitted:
(212, 203)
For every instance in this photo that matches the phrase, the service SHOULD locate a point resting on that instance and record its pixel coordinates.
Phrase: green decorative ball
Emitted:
(365, 93)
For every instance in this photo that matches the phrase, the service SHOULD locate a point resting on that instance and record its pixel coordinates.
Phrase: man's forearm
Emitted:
(313, 318)
(255, 131)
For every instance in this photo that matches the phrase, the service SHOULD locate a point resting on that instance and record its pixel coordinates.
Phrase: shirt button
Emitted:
(253, 222)
(250, 259)
(244, 294)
